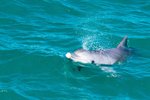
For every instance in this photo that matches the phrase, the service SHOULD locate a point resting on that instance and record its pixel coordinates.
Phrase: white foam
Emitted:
(91, 42)
(110, 70)
(96, 42)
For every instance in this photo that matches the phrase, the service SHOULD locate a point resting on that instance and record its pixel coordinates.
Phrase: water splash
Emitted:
(110, 70)
(96, 42)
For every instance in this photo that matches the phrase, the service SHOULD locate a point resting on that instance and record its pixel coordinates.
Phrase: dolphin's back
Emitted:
(104, 56)
(109, 56)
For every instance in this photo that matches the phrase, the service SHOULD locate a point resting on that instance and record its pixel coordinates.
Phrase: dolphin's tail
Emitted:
(123, 43)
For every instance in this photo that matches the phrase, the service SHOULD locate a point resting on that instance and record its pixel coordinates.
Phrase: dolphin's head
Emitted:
(80, 56)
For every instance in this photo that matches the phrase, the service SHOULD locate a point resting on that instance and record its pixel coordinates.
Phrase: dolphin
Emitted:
(102, 57)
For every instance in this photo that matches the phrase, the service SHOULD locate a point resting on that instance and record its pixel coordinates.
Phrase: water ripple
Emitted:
(35, 36)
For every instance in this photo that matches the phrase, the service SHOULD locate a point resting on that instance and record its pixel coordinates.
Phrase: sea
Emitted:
(35, 35)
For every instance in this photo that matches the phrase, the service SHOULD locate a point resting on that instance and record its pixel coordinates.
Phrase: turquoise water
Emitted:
(35, 35)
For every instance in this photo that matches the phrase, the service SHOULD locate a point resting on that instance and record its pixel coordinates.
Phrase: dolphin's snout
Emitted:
(68, 55)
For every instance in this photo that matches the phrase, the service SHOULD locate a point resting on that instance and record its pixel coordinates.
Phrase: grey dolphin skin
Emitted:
(102, 57)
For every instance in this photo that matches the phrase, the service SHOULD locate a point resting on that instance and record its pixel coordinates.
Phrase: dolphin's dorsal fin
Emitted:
(123, 43)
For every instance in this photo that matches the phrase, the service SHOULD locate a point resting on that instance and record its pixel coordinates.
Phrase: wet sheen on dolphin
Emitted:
(102, 57)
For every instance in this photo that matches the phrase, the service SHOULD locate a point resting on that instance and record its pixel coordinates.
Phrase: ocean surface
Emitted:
(35, 35)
